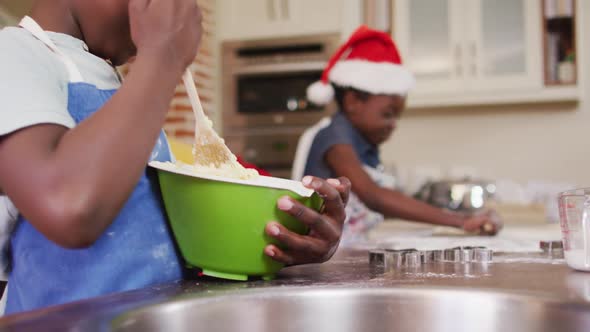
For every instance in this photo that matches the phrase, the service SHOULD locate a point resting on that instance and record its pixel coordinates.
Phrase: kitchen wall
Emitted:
(16, 8)
(544, 142)
(12, 10)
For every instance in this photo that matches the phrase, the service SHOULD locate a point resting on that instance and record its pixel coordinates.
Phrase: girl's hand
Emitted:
(325, 227)
(169, 31)
(487, 223)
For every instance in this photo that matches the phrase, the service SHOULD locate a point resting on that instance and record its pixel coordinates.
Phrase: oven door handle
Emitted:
(281, 68)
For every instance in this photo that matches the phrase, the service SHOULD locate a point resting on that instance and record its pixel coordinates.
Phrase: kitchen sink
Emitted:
(345, 309)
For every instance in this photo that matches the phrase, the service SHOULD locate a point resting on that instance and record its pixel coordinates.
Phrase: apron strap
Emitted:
(30, 25)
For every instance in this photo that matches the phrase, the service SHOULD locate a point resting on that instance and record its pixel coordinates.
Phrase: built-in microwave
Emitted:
(265, 81)
(264, 104)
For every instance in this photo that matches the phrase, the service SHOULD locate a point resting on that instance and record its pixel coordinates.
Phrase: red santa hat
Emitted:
(369, 61)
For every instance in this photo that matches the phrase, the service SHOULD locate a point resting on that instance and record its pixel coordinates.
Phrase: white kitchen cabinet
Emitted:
(256, 19)
(504, 49)
(473, 51)
(429, 43)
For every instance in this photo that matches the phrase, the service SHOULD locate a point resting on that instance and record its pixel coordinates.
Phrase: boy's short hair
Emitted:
(340, 91)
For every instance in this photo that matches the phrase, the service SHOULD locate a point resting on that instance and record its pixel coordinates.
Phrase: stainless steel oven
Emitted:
(265, 109)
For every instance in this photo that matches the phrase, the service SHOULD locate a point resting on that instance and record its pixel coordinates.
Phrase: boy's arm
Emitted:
(343, 160)
(71, 184)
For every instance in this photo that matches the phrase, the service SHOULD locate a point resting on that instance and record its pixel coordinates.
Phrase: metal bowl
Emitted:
(458, 195)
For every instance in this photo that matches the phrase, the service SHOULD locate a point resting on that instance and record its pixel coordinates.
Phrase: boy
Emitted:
(369, 85)
(74, 143)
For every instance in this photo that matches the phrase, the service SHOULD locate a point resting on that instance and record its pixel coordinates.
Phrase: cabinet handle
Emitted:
(458, 57)
(473, 48)
(285, 5)
(272, 9)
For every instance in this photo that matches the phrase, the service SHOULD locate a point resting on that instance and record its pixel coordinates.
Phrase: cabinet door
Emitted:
(431, 43)
(244, 19)
(254, 19)
(322, 16)
(504, 46)
(240, 19)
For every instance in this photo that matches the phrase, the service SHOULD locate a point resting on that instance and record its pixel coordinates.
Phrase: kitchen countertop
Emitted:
(514, 237)
(526, 273)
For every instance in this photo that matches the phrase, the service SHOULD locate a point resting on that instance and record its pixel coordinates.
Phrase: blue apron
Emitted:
(135, 251)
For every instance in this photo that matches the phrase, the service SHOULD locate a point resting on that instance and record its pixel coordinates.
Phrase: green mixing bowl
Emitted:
(219, 226)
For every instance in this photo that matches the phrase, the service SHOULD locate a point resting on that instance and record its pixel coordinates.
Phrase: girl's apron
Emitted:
(359, 218)
(135, 251)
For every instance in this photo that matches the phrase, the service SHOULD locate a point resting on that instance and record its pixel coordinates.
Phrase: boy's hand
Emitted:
(487, 223)
(325, 228)
(167, 30)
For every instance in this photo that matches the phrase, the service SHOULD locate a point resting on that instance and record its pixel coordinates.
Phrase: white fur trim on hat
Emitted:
(320, 93)
(372, 77)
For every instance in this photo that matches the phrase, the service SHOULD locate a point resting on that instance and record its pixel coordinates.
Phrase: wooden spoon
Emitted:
(209, 149)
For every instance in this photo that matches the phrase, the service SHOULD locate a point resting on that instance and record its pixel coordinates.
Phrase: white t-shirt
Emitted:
(34, 90)
(34, 81)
